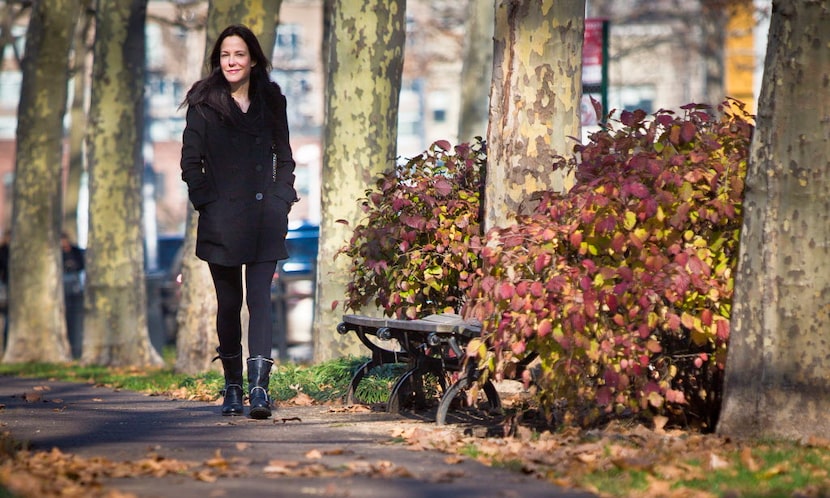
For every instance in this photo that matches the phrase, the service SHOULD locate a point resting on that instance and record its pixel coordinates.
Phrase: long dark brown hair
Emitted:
(214, 90)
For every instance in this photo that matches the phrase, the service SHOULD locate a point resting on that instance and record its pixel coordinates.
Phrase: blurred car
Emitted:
(293, 280)
(293, 287)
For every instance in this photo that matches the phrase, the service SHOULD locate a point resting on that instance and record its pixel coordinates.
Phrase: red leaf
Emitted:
(443, 187)
(706, 317)
(603, 396)
(545, 326)
(443, 145)
(541, 262)
(416, 222)
(636, 189)
(687, 132)
(723, 329)
(518, 347)
(506, 291)
(606, 224)
(673, 322)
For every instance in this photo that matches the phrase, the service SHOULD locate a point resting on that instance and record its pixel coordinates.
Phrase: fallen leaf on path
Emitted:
(351, 409)
(280, 467)
(289, 419)
(32, 397)
(301, 399)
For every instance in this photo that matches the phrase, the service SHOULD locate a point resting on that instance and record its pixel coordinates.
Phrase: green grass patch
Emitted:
(762, 469)
(778, 469)
(323, 382)
(613, 481)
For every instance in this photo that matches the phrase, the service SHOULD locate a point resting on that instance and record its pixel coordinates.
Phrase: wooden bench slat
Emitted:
(445, 323)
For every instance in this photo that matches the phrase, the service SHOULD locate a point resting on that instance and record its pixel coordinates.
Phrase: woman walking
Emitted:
(239, 170)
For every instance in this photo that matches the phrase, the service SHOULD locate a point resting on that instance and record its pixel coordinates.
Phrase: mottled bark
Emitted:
(477, 71)
(196, 341)
(81, 62)
(115, 320)
(365, 64)
(37, 329)
(777, 369)
(534, 102)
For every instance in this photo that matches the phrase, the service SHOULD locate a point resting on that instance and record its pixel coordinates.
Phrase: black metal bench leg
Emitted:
(404, 387)
(356, 378)
(459, 388)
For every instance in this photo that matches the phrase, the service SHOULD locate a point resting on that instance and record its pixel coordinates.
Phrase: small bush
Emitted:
(624, 283)
(419, 243)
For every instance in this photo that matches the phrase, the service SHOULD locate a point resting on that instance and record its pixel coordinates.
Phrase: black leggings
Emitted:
(228, 283)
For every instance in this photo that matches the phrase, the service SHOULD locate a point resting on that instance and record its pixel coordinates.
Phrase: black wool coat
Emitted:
(240, 178)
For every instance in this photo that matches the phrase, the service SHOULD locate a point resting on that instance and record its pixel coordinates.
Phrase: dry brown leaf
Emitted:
(717, 463)
(817, 442)
(205, 476)
(747, 460)
(453, 459)
(359, 467)
(351, 409)
(242, 446)
(302, 399)
(314, 454)
(32, 397)
(781, 468)
(287, 419)
(660, 423)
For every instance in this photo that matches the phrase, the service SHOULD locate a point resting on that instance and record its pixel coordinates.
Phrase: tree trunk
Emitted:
(365, 64)
(196, 339)
(115, 321)
(477, 70)
(714, 23)
(534, 102)
(37, 329)
(776, 372)
(81, 61)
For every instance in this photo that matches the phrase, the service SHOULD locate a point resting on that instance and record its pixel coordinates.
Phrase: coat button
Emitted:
(259, 196)
(259, 167)
(258, 140)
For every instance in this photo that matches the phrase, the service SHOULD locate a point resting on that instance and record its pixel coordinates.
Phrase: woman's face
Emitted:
(235, 61)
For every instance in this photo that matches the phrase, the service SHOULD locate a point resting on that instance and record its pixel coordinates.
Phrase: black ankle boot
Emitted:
(232, 365)
(259, 373)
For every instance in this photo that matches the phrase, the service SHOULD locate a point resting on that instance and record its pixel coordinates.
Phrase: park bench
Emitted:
(431, 346)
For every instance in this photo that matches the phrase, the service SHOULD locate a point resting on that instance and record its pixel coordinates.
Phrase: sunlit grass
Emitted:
(323, 382)
(776, 468)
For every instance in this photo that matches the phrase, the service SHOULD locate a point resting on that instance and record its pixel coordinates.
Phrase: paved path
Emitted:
(344, 453)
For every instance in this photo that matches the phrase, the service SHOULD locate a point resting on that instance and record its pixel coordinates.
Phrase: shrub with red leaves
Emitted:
(623, 284)
(417, 248)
